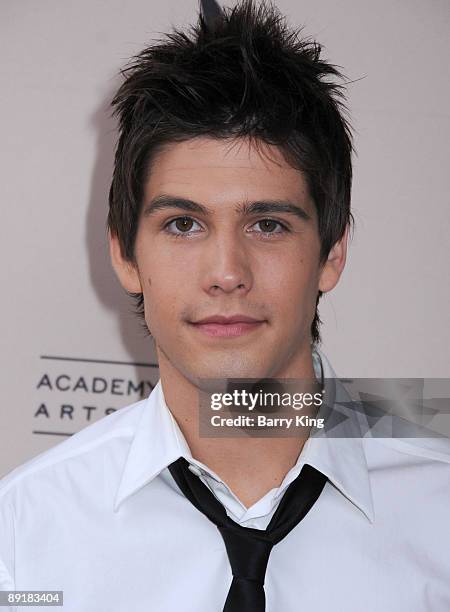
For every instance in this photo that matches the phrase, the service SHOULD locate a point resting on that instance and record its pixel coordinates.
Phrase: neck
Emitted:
(250, 467)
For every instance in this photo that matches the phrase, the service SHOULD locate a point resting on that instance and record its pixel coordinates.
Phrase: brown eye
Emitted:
(268, 228)
(183, 224)
(267, 225)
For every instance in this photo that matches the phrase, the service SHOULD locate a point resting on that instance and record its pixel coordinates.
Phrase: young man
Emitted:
(229, 218)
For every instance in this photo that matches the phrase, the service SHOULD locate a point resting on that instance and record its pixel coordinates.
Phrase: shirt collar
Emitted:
(338, 450)
(339, 454)
(157, 442)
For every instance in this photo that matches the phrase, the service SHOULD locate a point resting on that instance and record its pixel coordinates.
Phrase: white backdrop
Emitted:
(59, 65)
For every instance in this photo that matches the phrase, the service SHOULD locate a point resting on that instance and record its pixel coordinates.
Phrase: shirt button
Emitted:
(195, 469)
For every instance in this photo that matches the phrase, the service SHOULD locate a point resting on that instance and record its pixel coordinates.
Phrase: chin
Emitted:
(234, 368)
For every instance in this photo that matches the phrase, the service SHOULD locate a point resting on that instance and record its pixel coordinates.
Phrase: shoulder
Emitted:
(404, 451)
(80, 451)
(410, 474)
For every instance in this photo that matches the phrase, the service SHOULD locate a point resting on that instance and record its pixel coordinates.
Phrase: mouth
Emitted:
(227, 327)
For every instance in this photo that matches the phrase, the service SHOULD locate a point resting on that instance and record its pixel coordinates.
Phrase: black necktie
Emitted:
(249, 549)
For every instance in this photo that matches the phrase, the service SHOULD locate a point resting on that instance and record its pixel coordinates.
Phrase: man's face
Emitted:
(226, 230)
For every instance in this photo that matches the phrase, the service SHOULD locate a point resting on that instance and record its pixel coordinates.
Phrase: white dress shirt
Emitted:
(100, 518)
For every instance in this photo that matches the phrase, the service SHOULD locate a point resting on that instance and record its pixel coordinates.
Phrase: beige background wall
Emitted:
(59, 64)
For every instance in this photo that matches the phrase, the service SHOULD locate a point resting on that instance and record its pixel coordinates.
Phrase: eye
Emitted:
(180, 226)
(270, 226)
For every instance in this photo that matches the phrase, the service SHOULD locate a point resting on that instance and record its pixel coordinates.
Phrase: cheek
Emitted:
(292, 280)
(165, 273)
(167, 281)
(163, 298)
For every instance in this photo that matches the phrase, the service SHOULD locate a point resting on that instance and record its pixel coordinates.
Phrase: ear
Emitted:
(126, 271)
(333, 267)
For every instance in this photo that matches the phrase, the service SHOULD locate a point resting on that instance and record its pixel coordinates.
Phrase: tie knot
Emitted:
(248, 553)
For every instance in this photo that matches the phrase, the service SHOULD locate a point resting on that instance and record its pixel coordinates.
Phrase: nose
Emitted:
(227, 266)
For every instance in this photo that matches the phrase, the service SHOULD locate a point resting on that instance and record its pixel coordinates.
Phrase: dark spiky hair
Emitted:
(239, 73)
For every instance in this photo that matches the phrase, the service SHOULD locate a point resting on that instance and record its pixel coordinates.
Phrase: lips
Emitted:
(219, 326)
(222, 320)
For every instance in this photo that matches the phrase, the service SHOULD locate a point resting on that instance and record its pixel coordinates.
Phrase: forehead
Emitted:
(221, 171)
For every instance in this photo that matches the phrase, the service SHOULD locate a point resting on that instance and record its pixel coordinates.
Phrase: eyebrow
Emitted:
(163, 202)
